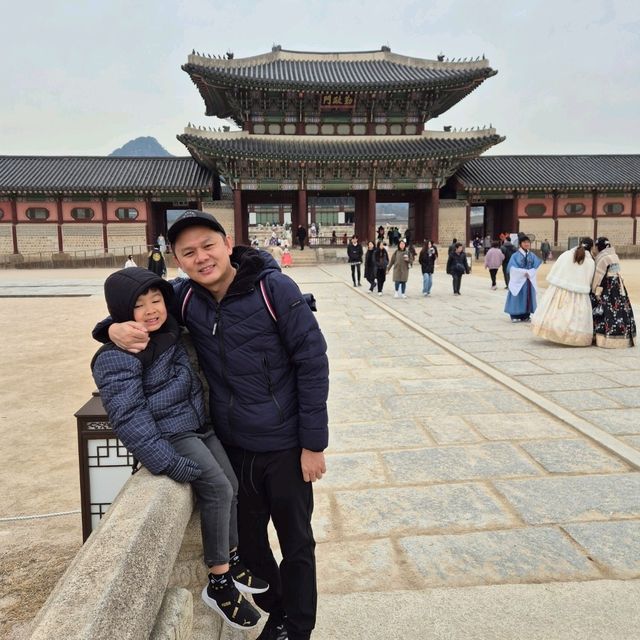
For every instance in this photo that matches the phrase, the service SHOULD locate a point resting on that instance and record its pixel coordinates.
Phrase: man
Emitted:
(268, 387)
(452, 246)
(545, 250)
(508, 250)
(521, 299)
(301, 234)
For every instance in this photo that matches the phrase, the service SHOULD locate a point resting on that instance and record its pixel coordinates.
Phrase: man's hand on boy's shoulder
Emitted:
(130, 336)
(313, 465)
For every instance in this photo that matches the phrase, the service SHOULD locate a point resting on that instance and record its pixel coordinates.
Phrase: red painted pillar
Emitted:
(434, 215)
(302, 211)
(555, 218)
(105, 235)
(371, 214)
(594, 213)
(59, 216)
(467, 224)
(634, 214)
(14, 222)
(150, 227)
(237, 216)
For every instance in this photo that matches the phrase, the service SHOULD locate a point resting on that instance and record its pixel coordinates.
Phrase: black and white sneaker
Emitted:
(274, 629)
(244, 580)
(224, 598)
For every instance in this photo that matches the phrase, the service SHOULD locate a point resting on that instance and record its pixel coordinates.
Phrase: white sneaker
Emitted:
(404, 295)
(379, 293)
(396, 295)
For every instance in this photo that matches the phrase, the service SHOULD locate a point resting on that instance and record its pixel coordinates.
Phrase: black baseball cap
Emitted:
(193, 218)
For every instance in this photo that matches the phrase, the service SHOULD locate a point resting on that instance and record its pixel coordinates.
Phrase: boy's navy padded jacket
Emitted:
(148, 400)
(268, 380)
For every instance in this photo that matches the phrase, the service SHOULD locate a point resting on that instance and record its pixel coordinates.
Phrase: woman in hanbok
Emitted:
(564, 313)
(613, 322)
(522, 267)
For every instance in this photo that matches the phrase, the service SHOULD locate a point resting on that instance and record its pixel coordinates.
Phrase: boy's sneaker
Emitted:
(244, 580)
(223, 597)
(274, 629)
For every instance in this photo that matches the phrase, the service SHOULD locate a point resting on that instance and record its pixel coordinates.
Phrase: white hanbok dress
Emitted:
(564, 314)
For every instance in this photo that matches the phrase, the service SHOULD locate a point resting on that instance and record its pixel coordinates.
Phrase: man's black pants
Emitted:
(271, 487)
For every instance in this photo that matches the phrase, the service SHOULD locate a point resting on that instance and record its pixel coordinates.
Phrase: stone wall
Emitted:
(37, 238)
(540, 227)
(131, 234)
(452, 222)
(573, 227)
(6, 242)
(618, 230)
(222, 210)
(80, 236)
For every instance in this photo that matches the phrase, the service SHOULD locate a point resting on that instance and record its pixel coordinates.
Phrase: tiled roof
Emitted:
(337, 148)
(82, 174)
(551, 172)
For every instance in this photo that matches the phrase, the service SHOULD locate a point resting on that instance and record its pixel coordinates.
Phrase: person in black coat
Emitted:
(381, 261)
(457, 266)
(370, 266)
(427, 259)
(301, 234)
(156, 262)
(354, 253)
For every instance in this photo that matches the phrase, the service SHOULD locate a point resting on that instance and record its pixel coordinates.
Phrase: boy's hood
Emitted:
(122, 288)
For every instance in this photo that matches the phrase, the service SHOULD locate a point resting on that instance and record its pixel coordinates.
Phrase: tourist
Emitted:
(452, 246)
(545, 250)
(564, 314)
(155, 405)
(354, 255)
(301, 234)
(334, 237)
(508, 250)
(477, 245)
(275, 444)
(130, 262)
(613, 321)
(287, 259)
(277, 252)
(457, 266)
(521, 297)
(401, 261)
(427, 259)
(380, 234)
(370, 266)
(156, 262)
(381, 259)
(162, 244)
(492, 261)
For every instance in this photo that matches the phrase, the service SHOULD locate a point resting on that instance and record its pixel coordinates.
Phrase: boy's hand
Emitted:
(313, 465)
(184, 470)
(130, 336)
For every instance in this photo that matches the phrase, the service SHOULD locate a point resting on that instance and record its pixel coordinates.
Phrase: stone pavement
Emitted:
(481, 483)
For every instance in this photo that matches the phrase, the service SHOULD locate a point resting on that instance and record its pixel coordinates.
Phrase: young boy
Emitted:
(156, 406)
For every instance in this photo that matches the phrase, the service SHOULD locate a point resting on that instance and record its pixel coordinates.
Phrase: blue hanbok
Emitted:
(521, 305)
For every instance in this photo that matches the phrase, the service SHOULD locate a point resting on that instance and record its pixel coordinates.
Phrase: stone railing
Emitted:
(123, 583)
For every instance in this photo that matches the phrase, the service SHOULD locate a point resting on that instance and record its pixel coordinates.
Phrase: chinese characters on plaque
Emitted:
(337, 101)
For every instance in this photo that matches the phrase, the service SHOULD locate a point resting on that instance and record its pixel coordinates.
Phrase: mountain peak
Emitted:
(143, 146)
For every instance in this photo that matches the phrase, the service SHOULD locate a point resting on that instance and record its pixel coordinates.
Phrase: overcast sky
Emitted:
(84, 77)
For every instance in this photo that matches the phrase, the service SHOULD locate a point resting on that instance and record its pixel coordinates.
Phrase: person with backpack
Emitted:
(156, 263)
(264, 358)
(155, 404)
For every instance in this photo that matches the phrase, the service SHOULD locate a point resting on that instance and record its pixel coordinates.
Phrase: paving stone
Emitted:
(387, 434)
(422, 372)
(495, 557)
(633, 441)
(575, 498)
(382, 512)
(477, 348)
(443, 403)
(351, 470)
(445, 358)
(562, 381)
(347, 364)
(479, 383)
(629, 397)
(324, 527)
(616, 545)
(615, 421)
(549, 351)
(358, 408)
(470, 462)
(505, 400)
(398, 361)
(359, 391)
(572, 456)
(515, 426)
(568, 365)
(582, 400)
(521, 367)
(451, 431)
(363, 565)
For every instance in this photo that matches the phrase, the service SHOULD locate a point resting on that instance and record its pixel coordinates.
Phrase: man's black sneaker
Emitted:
(223, 597)
(244, 580)
(274, 629)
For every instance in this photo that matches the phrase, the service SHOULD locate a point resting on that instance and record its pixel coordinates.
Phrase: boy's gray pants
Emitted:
(216, 491)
